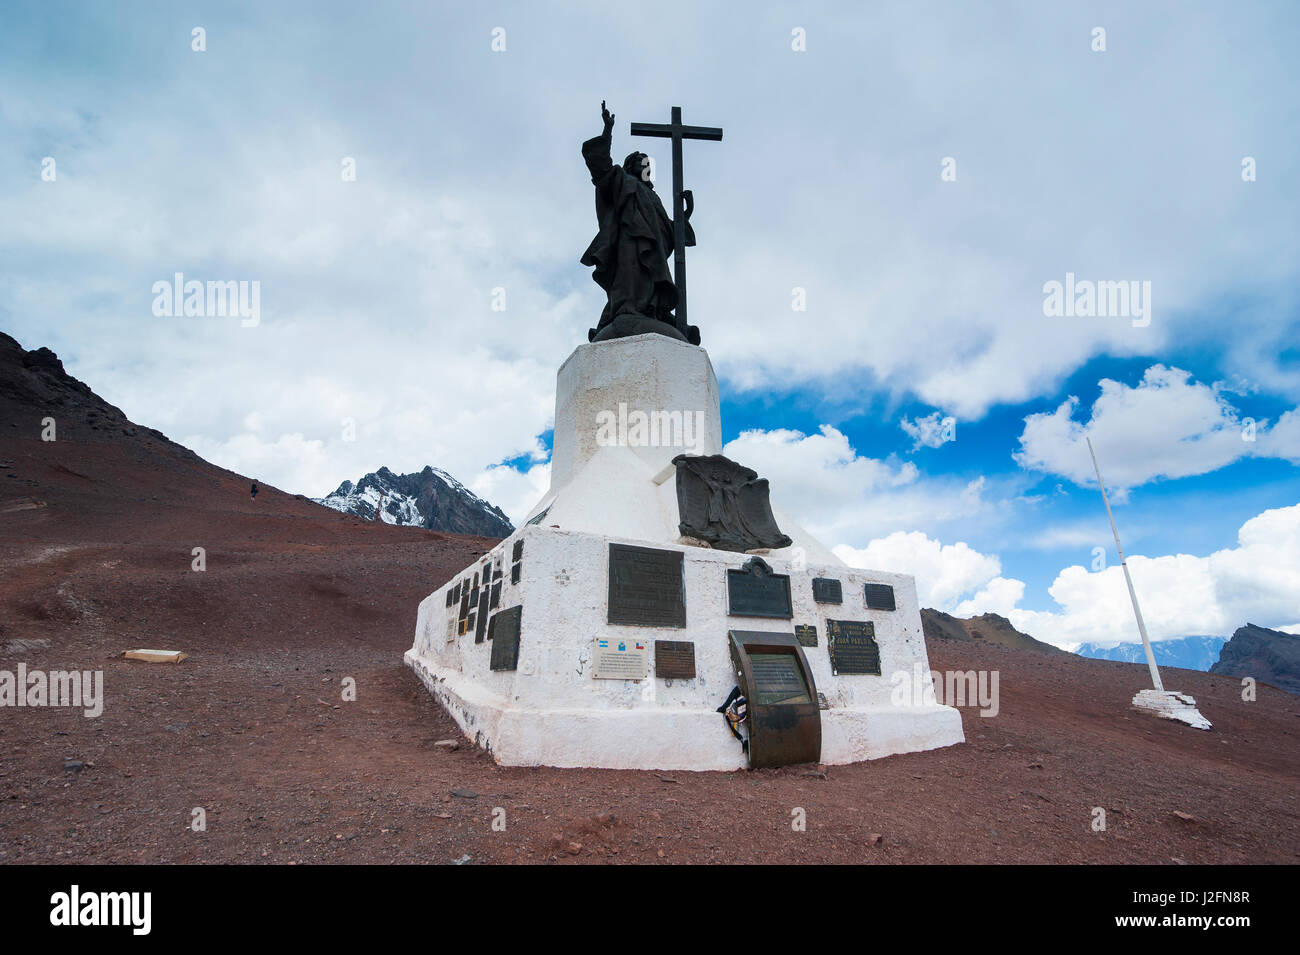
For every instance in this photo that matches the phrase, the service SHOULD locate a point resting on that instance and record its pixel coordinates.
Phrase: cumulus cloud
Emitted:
(944, 572)
(379, 289)
(513, 490)
(1168, 426)
(1257, 581)
(933, 430)
(841, 496)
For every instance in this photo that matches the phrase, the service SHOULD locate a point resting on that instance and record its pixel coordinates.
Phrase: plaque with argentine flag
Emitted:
(620, 658)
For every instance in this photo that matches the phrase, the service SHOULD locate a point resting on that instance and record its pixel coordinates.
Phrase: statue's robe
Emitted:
(635, 239)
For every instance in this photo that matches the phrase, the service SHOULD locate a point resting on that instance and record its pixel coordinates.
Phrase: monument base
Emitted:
(524, 650)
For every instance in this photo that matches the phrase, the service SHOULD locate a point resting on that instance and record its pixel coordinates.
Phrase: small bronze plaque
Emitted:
(806, 634)
(675, 659)
(518, 550)
(852, 646)
(496, 596)
(754, 591)
(646, 587)
(460, 627)
(879, 596)
(504, 634)
(827, 590)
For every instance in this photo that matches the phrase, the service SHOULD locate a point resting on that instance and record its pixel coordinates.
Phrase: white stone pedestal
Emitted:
(550, 710)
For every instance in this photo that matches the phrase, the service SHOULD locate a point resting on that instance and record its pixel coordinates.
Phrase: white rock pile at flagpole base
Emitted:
(1171, 705)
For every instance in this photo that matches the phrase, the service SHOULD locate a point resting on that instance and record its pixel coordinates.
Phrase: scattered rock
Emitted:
(573, 848)
(875, 838)
(1185, 816)
(72, 766)
(465, 793)
(447, 744)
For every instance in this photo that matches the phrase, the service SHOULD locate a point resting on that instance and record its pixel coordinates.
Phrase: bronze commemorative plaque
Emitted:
(852, 646)
(646, 587)
(675, 659)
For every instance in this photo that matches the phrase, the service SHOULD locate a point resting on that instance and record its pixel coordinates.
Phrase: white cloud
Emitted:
(840, 496)
(933, 430)
(999, 595)
(379, 287)
(1258, 581)
(512, 490)
(944, 572)
(1168, 426)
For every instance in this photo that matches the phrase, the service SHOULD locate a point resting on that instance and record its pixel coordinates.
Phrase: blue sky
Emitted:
(924, 294)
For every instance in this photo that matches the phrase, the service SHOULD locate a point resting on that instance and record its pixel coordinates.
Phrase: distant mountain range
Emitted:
(431, 499)
(1188, 653)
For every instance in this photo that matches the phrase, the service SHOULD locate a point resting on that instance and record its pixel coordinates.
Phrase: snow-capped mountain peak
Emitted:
(431, 498)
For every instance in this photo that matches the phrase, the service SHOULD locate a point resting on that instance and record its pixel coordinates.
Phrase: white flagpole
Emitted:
(1137, 611)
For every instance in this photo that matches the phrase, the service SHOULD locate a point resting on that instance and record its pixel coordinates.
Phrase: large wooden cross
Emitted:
(677, 132)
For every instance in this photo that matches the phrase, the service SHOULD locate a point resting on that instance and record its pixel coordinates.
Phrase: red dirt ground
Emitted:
(96, 534)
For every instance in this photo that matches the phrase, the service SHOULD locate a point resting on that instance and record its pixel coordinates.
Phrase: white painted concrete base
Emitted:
(551, 711)
(1171, 705)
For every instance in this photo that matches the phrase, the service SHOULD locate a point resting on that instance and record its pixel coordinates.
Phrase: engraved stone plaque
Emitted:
(503, 631)
(518, 550)
(852, 646)
(514, 573)
(496, 596)
(675, 659)
(879, 596)
(827, 590)
(806, 634)
(646, 587)
(615, 658)
(754, 591)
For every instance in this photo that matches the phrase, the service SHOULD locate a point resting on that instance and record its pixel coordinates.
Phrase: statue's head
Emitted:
(635, 165)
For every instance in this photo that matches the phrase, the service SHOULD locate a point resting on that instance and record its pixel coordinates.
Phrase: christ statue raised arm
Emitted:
(636, 236)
